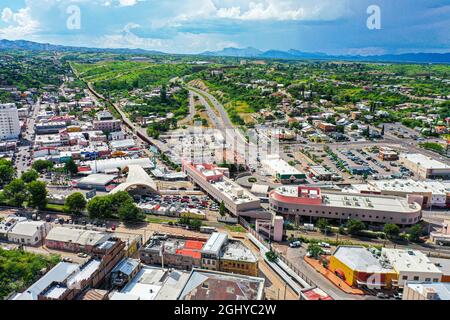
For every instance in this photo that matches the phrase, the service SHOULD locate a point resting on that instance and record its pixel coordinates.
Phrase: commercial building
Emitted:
(107, 125)
(296, 202)
(321, 173)
(281, 170)
(9, 122)
(29, 232)
(388, 268)
(7, 224)
(222, 254)
(67, 281)
(426, 291)
(213, 285)
(124, 272)
(387, 154)
(111, 165)
(442, 236)
(74, 239)
(425, 167)
(153, 283)
(43, 128)
(212, 180)
(99, 182)
(176, 252)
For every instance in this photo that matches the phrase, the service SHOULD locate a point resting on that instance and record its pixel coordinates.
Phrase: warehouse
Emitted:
(281, 170)
(99, 182)
(425, 167)
(29, 232)
(74, 240)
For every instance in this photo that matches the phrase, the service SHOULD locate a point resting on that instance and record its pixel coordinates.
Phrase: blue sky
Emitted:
(192, 26)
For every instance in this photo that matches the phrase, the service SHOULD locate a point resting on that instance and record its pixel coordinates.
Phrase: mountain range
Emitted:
(299, 55)
(240, 53)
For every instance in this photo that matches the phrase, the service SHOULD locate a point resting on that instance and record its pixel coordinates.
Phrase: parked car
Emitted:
(382, 295)
(295, 244)
(324, 245)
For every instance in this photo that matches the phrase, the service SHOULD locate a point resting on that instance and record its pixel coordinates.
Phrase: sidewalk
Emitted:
(338, 282)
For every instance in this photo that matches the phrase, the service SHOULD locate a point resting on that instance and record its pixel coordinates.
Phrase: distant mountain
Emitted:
(235, 52)
(35, 46)
(299, 55)
(239, 53)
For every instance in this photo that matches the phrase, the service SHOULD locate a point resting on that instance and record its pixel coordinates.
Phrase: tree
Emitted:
(75, 203)
(7, 172)
(195, 224)
(15, 192)
(129, 212)
(323, 225)
(272, 256)
(391, 230)
(71, 167)
(29, 176)
(414, 233)
(354, 227)
(118, 199)
(41, 165)
(222, 209)
(315, 250)
(38, 194)
(100, 208)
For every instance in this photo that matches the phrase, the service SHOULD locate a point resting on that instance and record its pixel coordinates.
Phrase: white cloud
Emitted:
(7, 14)
(21, 23)
(127, 3)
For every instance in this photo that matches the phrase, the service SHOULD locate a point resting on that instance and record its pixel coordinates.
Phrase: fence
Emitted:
(260, 238)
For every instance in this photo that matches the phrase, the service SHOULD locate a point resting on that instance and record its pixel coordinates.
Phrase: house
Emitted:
(29, 232)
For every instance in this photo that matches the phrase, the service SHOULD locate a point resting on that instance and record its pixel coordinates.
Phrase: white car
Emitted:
(295, 244)
(324, 245)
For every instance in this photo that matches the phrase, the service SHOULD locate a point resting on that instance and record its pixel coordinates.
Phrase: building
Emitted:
(388, 268)
(281, 170)
(29, 232)
(7, 224)
(9, 122)
(43, 128)
(294, 202)
(327, 127)
(359, 267)
(425, 167)
(412, 265)
(153, 283)
(388, 154)
(99, 182)
(320, 173)
(124, 272)
(222, 254)
(68, 281)
(213, 285)
(74, 239)
(212, 180)
(442, 236)
(426, 291)
(112, 165)
(107, 125)
(175, 252)
(315, 294)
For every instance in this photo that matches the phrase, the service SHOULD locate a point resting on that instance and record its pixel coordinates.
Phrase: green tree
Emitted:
(414, 233)
(195, 224)
(38, 194)
(354, 227)
(391, 230)
(222, 209)
(315, 250)
(118, 199)
(75, 203)
(71, 167)
(128, 211)
(15, 192)
(29, 176)
(323, 225)
(41, 165)
(100, 208)
(271, 256)
(7, 172)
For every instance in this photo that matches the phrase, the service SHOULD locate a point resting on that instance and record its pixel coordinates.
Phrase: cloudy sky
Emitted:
(192, 26)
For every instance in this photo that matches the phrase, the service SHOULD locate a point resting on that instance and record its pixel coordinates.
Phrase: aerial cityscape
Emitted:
(175, 163)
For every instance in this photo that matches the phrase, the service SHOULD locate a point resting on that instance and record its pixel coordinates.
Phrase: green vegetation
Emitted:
(315, 250)
(7, 172)
(354, 227)
(414, 233)
(114, 206)
(194, 224)
(392, 231)
(42, 165)
(75, 203)
(236, 228)
(436, 147)
(19, 269)
(29, 176)
(37, 194)
(272, 256)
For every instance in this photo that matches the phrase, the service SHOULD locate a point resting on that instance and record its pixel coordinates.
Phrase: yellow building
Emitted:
(359, 267)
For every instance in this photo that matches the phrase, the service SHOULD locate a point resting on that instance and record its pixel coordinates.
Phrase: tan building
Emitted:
(425, 167)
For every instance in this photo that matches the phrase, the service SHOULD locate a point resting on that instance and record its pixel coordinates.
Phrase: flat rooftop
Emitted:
(424, 161)
(213, 285)
(236, 250)
(97, 179)
(280, 166)
(215, 243)
(442, 289)
(411, 186)
(184, 247)
(357, 201)
(409, 261)
(234, 192)
(152, 283)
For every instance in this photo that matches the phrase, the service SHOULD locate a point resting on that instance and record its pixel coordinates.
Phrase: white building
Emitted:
(425, 167)
(281, 170)
(412, 265)
(29, 232)
(9, 122)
